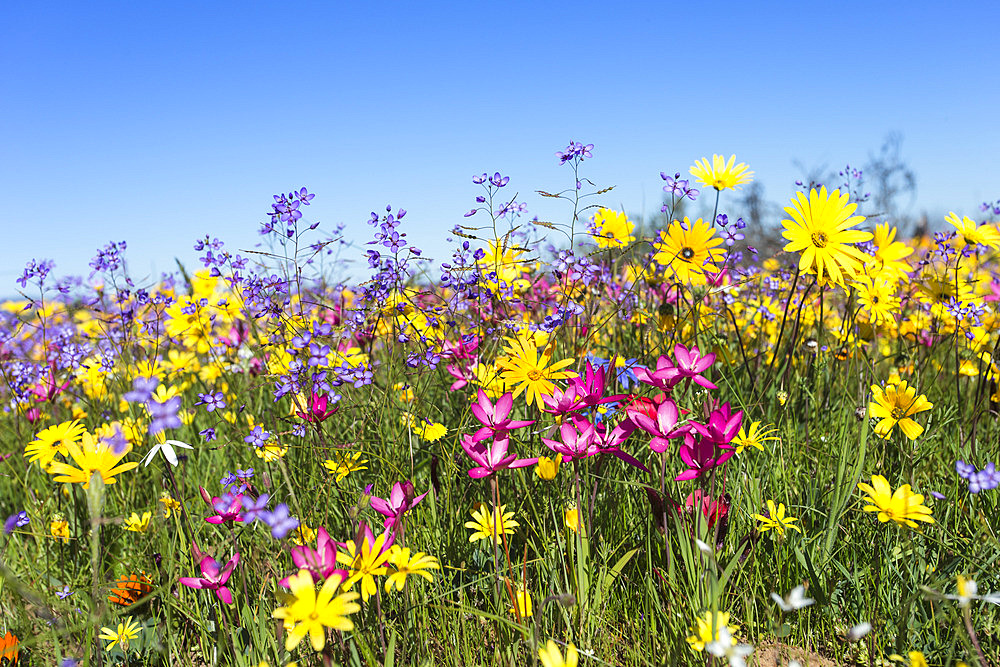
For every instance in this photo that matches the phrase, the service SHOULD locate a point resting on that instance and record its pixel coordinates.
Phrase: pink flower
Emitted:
(590, 387)
(317, 409)
(401, 500)
(213, 578)
(320, 562)
(691, 363)
(561, 402)
(700, 457)
(495, 419)
(580, 439)
(662, 426)
(491, 457)
(227, 508)
(723, 425)
(663, 377)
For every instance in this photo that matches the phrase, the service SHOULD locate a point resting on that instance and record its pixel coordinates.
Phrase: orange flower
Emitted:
(9, 648)
(129, 590)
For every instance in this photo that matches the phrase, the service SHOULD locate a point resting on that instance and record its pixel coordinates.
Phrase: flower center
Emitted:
(313, 616)
(819, 239)
(534, 375)
(874, 299)
(687, 253)
(898, 413)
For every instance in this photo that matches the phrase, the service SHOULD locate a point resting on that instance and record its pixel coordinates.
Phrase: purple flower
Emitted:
(213, 577)
(965, 470)
(18, 520)
(279, 521)
(212, 401)
(254, 508)
(142, 389)
(257, 437)
(64, 593)
(164, 414)
(208, 434)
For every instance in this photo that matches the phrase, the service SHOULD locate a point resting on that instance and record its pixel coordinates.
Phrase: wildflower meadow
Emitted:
(590, 440)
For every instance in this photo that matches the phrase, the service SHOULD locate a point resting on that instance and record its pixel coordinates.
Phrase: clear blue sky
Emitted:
(160, 122)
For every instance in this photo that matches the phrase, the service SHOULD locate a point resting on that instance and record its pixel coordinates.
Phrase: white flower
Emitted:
(859, 631)
(968, 591)
(167, 447)
(702, 546)
(793, 601)
(726, 647)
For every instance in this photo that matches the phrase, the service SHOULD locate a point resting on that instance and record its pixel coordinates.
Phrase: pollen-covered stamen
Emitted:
(534, 375)
(819, 239)
(687, 253)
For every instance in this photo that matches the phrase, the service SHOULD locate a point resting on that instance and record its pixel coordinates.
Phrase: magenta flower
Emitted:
(317, 409)
(561, 402)
(212, 578)
(495, 419)
(700, 457)
(401, 500)
(578, 439)
(491, 457)
(321, 562)
(691, 363)
(723, 425)
(663, 377)
(663, 427)
(590, 387)
(227, 508)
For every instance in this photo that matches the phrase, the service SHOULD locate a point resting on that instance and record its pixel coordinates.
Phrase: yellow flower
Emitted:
(687, 250)
(571, 517)
(612, 229)
(532, 373)
(721, 175)
(52, 441)
(491, 525)
(776, 519)
(126, 632)
(303, 535)
(424, 428)
(271, 451)
(706, 629)
(888, 264)
(548, 468)
(136, 524)
(878, 297)
(404, 565)
(93, 456)
(821, 229)
(311, 613)
(344, 464)
(59, 528)
(169, 504)
(970, 234)
(895, 406)
(522, 599)
(755, 436)
(904, 507)
(550, 656)
(364, 563)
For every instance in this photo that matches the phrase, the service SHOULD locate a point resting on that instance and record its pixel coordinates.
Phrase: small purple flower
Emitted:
(64, 593)
(254, 508)
(939, 496)
(965, 470)
(117, 441)
(257, 437)
(279, 521)
(208, 434)
(216, 401)
(18, 520)
(142, 389)
(164, 414)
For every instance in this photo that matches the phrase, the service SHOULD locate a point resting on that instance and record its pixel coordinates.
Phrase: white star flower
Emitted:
(167, 447)
(793, 601)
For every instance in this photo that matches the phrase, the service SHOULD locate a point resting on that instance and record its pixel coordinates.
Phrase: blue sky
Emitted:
(157, 123)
